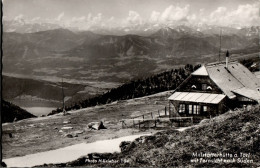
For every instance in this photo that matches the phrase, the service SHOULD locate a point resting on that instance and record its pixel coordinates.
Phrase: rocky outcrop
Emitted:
(96, 125)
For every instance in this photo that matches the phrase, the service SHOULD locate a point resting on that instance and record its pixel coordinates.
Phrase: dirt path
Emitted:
(69, 153)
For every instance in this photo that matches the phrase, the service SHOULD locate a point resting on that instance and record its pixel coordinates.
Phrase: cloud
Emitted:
(19, 17)
(89, 16)
(111, 22)
(78, 19)
(97, 19)
(192, 18)
(87, 22)
(172, 14)
(219, 13)
(244, 15)
(202, 11)
(111, 19)
(175, 13)
(134, 18)
(94, 19)
(60, 16)
(167, 17)
(35, 19)
(154, 16)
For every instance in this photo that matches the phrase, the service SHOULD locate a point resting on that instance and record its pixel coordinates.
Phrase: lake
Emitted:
(38, 111)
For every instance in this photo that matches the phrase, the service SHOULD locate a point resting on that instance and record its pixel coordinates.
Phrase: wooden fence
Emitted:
(152, 118)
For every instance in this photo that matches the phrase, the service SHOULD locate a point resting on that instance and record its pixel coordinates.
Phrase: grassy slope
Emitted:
(42, 133)
(232, 132)
(11, 112)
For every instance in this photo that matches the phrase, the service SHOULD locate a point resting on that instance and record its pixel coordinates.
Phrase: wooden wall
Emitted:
(198, 81)
(212, 109)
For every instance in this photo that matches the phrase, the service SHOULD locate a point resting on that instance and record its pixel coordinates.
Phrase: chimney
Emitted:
(227, 56)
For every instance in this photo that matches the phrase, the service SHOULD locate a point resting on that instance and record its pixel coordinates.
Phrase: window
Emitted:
(182, 108)
(205, 108)
(204, 86)
(190, 109)
(196, 109)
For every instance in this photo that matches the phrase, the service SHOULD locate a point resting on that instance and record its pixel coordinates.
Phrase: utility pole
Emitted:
(220, 36)
(63, 103)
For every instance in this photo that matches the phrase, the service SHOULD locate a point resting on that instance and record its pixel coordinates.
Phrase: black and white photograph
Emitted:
(130, 83)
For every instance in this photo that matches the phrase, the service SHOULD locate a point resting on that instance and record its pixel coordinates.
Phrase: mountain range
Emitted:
(25, 26)
(89, 56)
(21, 26)
(106, 61)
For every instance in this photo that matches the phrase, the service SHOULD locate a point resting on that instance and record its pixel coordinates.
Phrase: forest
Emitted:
(11, 112)
(164, 81)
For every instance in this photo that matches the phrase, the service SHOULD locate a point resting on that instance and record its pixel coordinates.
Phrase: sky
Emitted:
(123, 13)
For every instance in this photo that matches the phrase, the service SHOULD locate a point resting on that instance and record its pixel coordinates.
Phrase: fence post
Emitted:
(165, 111)
(155, 123)
(143, 117)
(169, 108)
(152, 115)
(139, 124)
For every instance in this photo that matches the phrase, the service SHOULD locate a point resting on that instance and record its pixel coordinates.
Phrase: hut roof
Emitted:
(197, 97)
(235, 79)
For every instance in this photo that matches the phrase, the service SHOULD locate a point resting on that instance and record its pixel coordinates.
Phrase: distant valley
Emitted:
(92, 57)
(90, 64)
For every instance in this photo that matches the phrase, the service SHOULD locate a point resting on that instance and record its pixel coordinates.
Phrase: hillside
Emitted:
(167, 80)
(30, 92)
(11, 112)
(235, 132)
(87, 56)
(47, 133)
